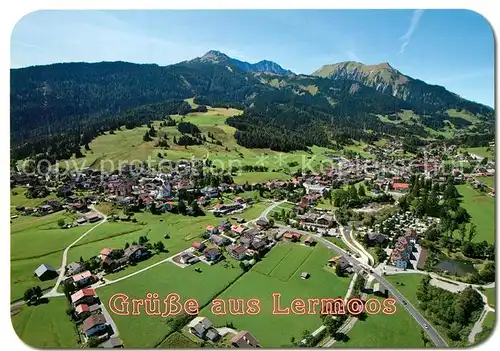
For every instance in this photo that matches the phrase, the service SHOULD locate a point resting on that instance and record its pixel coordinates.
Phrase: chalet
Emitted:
(86, 296)
(93, 217)
(237, 252)
(244, 340)
(83, 279)
(136, 253)
(188, 258)
(94, 325)
(237, 229)
(212, 254)
(210, 192)
(199, 246)
(292, 236)
(112, 343)
(340, 261)
(263, 223)
(107, 253)
(400, 187)
(200, 326)
(219, 240)
(258, 245)
(74, 268)
(225, 225)
(376, 239)
(210, 229)
(326, 220)
(169, 206)
(310, 241)
(46, 272)
(83, 311)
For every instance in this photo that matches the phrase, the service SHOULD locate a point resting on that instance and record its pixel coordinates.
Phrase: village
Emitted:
(301, 210)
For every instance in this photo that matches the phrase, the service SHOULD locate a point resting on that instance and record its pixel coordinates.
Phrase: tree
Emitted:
(60, 223)
(462, 230)
(33, 293)
(93, 342)
(127, 245)
(472, 232)
(146, 137)
(271, 222)
(159, 246)
(338, 270)
(361, 191)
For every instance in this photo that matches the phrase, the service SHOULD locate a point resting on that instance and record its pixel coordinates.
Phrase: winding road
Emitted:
(62, 269)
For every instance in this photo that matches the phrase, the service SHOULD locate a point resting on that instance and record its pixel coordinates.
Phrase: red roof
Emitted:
(209, 227)
(81, 276)
(400, 185)
(82, 293)
(197, 244)
(82, 308)
(106, 251)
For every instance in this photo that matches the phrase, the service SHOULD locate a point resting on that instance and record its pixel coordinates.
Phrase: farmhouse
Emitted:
(83, 310)
(199, 246)
(219, 240)
(237, 252)
(74, 268)
(212, 254)
(83, 279)
(94, 324)
(136, 253)
(292, 236)
(45, 272)
(200, 326)
(86, 296)
(244, 340)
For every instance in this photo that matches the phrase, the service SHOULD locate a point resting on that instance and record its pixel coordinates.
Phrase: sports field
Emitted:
(280, 272)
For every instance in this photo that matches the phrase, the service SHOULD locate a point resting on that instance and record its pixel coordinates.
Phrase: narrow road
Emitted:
(478, 326)
(62, 269)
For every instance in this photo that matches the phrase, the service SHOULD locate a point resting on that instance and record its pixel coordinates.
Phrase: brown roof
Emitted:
(244, 340)
(239, 249)
(92, 321)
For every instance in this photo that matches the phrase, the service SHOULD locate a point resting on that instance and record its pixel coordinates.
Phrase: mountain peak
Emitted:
(214, 56)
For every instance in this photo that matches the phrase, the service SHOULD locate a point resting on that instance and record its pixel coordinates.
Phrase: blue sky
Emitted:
(454, 48)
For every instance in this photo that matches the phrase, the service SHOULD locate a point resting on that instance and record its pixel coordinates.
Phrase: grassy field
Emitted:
(407, 284)
(17, 198)
(338, 242)
(46, 325)
(128, 145)
(398, 330)
(266, 278)
(490, 294)
(178, 341)
(35, 241)
(481, 208)
(149, 331)
(481, 152)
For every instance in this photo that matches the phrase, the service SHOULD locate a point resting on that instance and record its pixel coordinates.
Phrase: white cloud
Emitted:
(415, 19)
